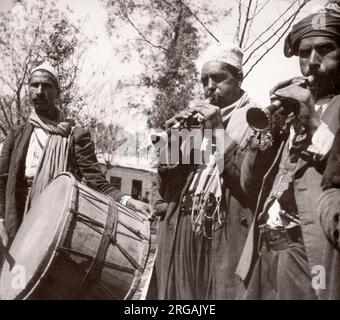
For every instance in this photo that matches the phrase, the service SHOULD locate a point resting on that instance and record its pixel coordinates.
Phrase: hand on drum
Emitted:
(142, 207)
(3, 234)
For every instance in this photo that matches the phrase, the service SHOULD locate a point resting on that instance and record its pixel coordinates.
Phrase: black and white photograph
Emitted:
(170, 150)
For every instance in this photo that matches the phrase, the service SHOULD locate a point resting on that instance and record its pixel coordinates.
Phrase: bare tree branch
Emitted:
(123, 6)
(196, 17)
(251, 20)
(3, 107)
(170, 5)
(261, 8)
(238, 29)
(4, 131)
(245, 23)
(291, 19)
(274, 44)
(268, 28)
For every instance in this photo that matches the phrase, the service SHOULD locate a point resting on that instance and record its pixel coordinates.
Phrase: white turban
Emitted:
(46, 66)
(229, 54)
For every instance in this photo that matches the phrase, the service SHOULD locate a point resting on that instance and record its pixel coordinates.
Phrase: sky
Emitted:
(275, 67)
(272, 69)
(100, 59)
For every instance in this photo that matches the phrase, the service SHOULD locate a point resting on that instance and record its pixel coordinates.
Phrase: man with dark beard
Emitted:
(285, 244)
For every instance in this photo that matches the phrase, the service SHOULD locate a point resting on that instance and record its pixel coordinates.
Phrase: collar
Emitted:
(227, 111)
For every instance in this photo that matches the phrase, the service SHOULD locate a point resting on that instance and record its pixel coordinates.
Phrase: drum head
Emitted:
(34, 245)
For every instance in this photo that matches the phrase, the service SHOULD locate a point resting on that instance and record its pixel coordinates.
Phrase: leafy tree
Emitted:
(170, 36)
(168, 44)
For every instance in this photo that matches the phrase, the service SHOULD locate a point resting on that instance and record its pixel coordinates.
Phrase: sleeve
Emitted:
(125, 199)
(256, 163)
(329, 213)
(249, 169)
(160, 204)
(171, 180)
(243, 150)
(87, 162)
(233, 157)
(331, 175)
(260, 154)
(5, 159)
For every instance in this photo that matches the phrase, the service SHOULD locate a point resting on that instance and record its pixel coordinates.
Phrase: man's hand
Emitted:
(293, 94)
(143, 207)
(3, 234)
(210, 114)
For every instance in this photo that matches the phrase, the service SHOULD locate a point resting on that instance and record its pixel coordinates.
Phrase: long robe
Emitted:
(189, 265)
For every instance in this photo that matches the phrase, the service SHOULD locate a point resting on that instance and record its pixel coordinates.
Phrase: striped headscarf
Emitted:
(324, 23)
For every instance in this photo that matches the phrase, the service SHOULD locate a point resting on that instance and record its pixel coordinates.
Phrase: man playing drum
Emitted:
(44, 146)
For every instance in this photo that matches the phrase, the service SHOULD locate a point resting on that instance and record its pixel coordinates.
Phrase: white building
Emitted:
(132, 175)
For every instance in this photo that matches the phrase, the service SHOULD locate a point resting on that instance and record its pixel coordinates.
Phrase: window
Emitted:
(136, 190)
(116, 182)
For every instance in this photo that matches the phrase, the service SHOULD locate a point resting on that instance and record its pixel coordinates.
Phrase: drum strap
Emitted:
(109, 232)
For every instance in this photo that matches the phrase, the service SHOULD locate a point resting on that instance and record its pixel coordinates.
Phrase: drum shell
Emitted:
(69, 256)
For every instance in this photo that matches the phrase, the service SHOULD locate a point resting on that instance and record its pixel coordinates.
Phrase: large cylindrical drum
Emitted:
(76, 243)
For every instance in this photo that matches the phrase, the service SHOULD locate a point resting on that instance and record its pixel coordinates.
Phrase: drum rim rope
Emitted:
(110, 229)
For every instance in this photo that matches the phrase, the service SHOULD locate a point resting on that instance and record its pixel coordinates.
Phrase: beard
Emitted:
(45, 110)
(215, 100)
(323, 86)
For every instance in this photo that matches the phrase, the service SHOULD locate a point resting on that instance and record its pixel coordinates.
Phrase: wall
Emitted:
(128, 174)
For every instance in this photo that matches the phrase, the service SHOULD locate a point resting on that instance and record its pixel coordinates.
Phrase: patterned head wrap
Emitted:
(323, 23)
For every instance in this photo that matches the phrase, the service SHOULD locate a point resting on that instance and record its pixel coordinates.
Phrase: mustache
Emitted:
(320, 81)
(214, 99)
(212, 96)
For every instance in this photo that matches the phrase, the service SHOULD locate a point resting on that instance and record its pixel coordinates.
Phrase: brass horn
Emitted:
(260, 118)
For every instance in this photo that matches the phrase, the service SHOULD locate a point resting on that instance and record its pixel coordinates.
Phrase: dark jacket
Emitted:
(329, 211)
(13, 185)
(307, 188)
